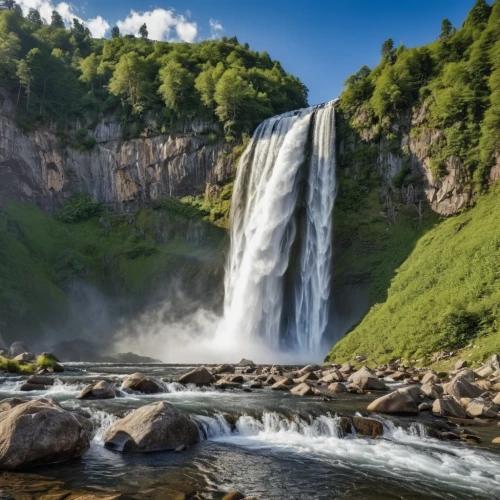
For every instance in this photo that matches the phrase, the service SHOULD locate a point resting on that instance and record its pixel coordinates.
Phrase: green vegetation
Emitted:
(125, 256)
(455, 80)
(13, 366)
(54, 73)
(80, 207)
(46, 362)
(446, 295)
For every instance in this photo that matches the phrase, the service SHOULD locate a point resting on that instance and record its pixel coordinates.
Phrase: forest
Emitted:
(55, 74)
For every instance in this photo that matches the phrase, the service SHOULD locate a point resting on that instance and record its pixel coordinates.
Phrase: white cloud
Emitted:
(97, 25)
(216, 28)
(162, 25)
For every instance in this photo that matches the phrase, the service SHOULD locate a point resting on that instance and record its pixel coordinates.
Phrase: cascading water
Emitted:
(278, 275)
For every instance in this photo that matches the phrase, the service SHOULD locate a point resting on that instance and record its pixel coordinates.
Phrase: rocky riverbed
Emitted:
(266, 432)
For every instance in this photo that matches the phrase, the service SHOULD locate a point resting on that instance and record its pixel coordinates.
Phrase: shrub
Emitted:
(80, 207)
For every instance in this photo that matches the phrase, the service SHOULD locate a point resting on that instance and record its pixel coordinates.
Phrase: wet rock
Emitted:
(26, 387)
(345, 424)
(424, 407)
(433, 391)
(199, 376)
(155, 427)
(225, 368)
(307, 376)
(233, 495)
(337, 387)
(256, 384)
(41, 380)
(226, 383)
(399, 376)
(448, 408)
(460, 387)
(25, 356)
(367, 380)
(309, 369)
(368, 426)
(302, 390)
(18, 348)
(140, 383)
(397, 402)
(39, 432)
(100, 390)
(283, 384)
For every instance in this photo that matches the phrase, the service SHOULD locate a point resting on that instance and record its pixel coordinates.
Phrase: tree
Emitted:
(34, 17)
(16, 8)
(78, 29)
(56, 20)
(447, 29)
(206, 81)
(89, 67)
(7, 4)
(25, 80)
(115, 32)
(388, 50)
(10, 47)
(177, 88)
(130, 81)
(143, 31)
(478, 15)
(231, 93)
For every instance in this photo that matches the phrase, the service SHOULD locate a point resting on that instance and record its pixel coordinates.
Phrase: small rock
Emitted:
(225, 368)
(140, 383)
(199, 376)
(233, 495)
(101, 390)
(460, 364)
(368, 426)
(424, 407)
(26, 387)
(302, 390)
(283, 384)
(337, 387)
(367, 380)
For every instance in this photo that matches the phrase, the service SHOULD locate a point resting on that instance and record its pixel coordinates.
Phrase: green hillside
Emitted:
(446, 295)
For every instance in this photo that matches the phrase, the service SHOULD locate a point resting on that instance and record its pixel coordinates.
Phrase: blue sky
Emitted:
(320, 41)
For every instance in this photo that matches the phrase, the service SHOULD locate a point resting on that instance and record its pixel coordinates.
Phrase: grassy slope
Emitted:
(445, 295)
(39, 256)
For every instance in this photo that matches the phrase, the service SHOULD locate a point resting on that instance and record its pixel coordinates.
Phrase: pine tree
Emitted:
(56, 20)
(143, 31)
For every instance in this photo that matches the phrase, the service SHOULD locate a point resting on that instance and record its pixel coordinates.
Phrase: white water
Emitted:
(403, 454)
(290, 163)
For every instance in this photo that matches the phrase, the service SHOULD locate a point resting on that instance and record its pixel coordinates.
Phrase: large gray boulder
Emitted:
(140, 383)
(199, 376)
(460, 387)
(25, 356)
(398, 402)
(366, 379)
(39, 432)
(448, 408)
(18, 348)
(224, 368)
(155, 427)
(100, 390)
(302, 390)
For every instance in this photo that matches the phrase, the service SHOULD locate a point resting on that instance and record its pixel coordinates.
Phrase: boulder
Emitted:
(307, 376)
(482, 408)
(496, 440)
(226, 383)
(413, 391)
(460, 364)
(101, 390)
(309, 369)
(199, 376)
(224, 368)
(9, 403)
(256, 384)
(398, 402)
(140, 383)
(18, 348)
(430, 376)
(155, 427)
(283, 384)
(496, 399)
(467, 374)
(345, 424)
(41, 380)
(332, 376)
(399, 375)
(25, 356)
(433, 391)
(233, 495)
(302, 390)
(346, 367)
(424, 407)
(337, 387)
(27, 387)
(368, 426)
(448, 408)
(367, 380)
(39, 432)
(460, 387)
(246, 362)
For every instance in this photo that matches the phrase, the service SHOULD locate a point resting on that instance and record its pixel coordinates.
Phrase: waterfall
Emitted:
(277, 283)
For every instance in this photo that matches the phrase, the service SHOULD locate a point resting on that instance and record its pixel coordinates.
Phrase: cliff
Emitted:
(124, 174)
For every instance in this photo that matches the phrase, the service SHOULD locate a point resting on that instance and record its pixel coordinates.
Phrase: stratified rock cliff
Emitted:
(125, 174)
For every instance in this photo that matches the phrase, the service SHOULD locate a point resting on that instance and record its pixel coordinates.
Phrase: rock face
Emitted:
(122, 173)
(397, 402)
(140, 383)
(39, 432)
(155, 427)
(199, 376)
(101, 390)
